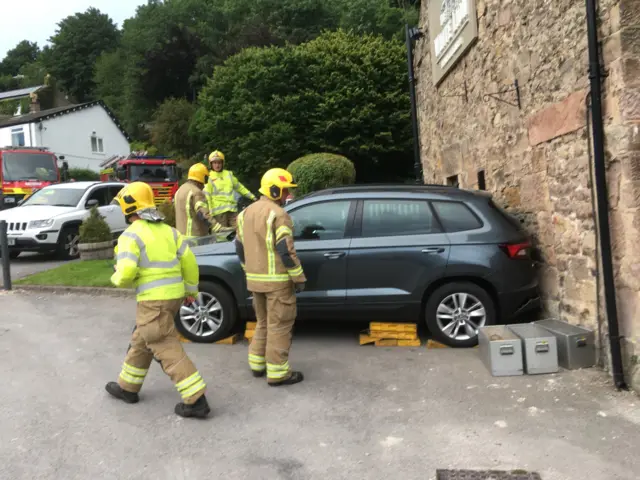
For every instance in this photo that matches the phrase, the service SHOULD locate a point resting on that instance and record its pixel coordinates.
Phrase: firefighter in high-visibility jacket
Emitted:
(192, 212)
(220, 191)
(154, 258)
(264, 244)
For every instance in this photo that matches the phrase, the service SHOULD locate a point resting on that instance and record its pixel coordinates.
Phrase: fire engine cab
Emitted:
(24, 170)
(161, 173)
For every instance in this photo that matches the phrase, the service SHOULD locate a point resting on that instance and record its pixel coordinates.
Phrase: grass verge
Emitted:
(88, 273)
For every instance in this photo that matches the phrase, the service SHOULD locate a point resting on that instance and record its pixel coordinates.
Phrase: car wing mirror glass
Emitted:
(92, 203)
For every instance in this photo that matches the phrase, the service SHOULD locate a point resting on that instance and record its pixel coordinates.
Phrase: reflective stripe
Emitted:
(189, 219)
(240, 221)
(260, 277)
(183, 248)
(257, 363)
(133, 375)
(159, 283)
(294, 272)
(144, 257)
(278, 371)
(222, 209)
(271, 256)
(200, 204)
(134, 370)
(127, 256)
(131, 379)
(283, 231)
(190, 385)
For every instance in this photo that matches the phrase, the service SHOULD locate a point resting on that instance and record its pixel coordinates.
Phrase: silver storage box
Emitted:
(540, 348)
(576, 345)
(501, 351)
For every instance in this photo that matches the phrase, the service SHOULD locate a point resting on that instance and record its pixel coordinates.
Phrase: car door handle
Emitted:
(433, 250)
(334, 255)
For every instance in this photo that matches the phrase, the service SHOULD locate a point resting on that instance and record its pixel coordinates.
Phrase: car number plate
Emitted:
(11, 241)
(9, 200)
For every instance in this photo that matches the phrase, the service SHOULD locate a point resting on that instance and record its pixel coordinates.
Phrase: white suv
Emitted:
(49, 220)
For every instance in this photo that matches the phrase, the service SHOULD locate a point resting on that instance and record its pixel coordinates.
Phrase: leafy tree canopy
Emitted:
(170, 129)
(22, 54)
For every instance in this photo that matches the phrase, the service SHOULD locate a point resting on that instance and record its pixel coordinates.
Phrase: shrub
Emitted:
(94, 228)
(321, 170)
(83, 175)
(169, 212)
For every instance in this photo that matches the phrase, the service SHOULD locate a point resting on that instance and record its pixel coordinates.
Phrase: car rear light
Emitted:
(520, 250)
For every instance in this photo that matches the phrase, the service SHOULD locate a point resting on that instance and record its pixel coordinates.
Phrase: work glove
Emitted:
(299, 287)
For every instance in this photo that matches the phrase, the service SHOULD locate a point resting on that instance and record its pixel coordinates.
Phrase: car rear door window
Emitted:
(384, 218)
(112, 192)
(321, 221)
(456, 216)
(99, 194)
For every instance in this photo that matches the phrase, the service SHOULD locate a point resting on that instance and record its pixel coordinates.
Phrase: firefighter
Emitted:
(264, 244)
(192, 211)
(154, 258)
(220, 191)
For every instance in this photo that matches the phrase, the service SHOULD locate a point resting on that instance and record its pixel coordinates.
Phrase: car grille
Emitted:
(17, 227)
(162, 194)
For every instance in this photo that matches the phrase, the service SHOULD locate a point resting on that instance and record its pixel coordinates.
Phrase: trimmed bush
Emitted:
(83, 175)
(166, 208)
(321, 170)
(94, 228)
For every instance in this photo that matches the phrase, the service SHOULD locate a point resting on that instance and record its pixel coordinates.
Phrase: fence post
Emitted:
(4, 251)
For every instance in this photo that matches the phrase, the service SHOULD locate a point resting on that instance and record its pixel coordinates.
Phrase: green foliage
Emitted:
(10, 107)
(170, 128)
(341, 93)
(94, 228)
(78, 42)
(167, 209)
(109, 73)
(144, 147)
(22, 54)
(83, 174)
(321, 170)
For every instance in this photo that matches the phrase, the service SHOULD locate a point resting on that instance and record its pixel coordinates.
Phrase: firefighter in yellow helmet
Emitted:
(192, 212)
(154, 258)
(220, 191)
(264, 244)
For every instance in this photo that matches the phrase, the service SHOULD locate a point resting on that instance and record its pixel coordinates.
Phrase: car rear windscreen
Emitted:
(507, 216)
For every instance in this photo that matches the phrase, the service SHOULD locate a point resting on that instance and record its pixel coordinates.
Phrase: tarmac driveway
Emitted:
(361, 413)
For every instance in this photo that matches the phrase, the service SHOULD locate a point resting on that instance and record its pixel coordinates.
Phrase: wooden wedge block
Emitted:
(232, 340)
(251, 326)
(409, 343)
(386, 342)
(182, 339)
(366, 339)
(434, 344)
(249, 334)
(394, 335)
(393, 327)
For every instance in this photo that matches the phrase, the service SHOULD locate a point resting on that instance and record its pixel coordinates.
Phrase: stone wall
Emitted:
(536, 160)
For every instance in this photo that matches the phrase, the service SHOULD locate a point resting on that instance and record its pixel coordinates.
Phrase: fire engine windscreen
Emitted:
(153, 173)
(29, 166)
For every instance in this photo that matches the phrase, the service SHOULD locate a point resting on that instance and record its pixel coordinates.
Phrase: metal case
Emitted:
(576, 345)
(540, 348)
(501, 351)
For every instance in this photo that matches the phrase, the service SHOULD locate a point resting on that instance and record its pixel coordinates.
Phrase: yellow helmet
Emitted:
(135, 197)
(217, 155)
(274, 181)
(198, 173)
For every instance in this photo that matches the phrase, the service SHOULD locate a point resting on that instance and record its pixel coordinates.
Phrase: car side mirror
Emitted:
(92, 203)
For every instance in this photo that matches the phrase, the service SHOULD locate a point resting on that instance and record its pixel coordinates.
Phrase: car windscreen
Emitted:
(153, 173)
(29, 166)
(55, 197)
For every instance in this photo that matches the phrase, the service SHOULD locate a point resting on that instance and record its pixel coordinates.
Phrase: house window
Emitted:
(482, 184)
(97, 145)
(17, 137)
(453, 181)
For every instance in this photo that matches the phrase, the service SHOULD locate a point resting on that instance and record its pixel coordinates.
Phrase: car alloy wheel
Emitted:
(203, 317)
(460, 316)
(71, 244)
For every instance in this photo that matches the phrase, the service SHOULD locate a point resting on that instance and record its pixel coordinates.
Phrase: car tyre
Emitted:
(444, 320)
(68, 240)
(13, 255)
(212, 318)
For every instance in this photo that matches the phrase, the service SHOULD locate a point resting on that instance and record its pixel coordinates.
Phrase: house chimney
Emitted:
(34, 107)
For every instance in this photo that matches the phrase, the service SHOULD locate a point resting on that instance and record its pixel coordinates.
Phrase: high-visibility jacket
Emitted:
(192, 212)
(156, 261)
(220, 189)
(264, 244)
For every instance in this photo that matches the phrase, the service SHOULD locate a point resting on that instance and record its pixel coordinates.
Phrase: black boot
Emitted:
(200, 409)
(296, 377)
(257, 374)
(116, 390)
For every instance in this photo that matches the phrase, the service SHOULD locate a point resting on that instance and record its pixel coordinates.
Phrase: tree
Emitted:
(22, 54)
(109, 80)
(78, 42)
(341, 93)
(170, 129)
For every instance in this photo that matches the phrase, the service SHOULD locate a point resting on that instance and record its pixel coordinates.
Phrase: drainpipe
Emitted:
(411, 34)
(602, 197)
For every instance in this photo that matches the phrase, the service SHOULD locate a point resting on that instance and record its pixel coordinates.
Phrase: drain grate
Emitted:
(486, 475)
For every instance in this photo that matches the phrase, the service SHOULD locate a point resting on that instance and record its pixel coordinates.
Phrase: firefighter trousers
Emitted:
(155, 335)
(269, 348)
(227, 219)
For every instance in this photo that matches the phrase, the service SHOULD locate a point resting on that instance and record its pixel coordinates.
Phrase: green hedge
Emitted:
(83, 175)
(321, 170)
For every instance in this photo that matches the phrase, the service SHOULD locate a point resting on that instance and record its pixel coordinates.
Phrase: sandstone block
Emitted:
(626, 14)
(512, 196)
(558, 119)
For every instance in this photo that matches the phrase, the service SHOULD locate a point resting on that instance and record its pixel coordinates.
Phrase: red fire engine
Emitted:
(25, 169)
(161, 173)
